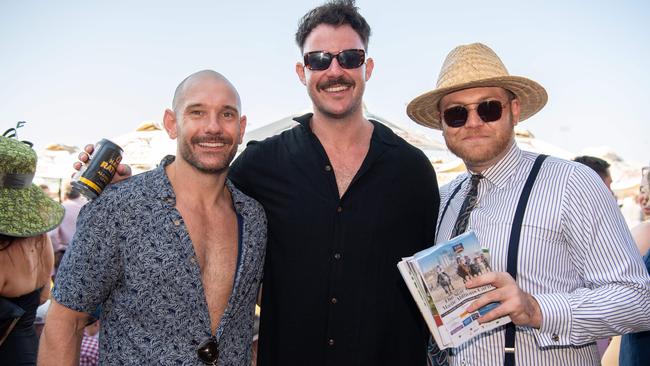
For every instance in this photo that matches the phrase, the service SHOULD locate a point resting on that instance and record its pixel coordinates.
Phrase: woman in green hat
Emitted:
(26, 257)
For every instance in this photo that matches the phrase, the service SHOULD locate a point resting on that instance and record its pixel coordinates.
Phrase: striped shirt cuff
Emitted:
(556, 320)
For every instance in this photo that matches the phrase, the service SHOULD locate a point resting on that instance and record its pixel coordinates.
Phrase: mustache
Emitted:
(212, 138)
(341, 80)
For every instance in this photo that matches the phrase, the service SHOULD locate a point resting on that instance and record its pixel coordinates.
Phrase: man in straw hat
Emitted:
(173, 256)
(566, 270)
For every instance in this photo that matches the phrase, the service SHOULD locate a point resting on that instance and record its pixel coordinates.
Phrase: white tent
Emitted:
(145, 147)
(55, 161)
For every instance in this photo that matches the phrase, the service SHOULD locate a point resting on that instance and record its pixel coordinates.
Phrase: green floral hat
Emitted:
(25, 210)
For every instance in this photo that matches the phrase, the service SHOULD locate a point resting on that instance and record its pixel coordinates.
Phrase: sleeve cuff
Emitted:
(69, 303)
(556, 320)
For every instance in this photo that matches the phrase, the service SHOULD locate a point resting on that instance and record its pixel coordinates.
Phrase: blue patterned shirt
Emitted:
(132, 255)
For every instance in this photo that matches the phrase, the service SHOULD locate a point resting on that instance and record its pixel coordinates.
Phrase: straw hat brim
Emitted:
(532, 97)
(28, 212)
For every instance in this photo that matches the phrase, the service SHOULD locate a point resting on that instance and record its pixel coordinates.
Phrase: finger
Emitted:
(89, 148)
(84, 157)
(492, 313)
(488, 297)
(484, 279)
(124, 169)
(123, 172)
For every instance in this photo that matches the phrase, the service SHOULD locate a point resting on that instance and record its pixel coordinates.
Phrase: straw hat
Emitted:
(472, 66)
(26, 209)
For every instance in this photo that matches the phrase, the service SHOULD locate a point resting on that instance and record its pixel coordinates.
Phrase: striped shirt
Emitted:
(576, 257)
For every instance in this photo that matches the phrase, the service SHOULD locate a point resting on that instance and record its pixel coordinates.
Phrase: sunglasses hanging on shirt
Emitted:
(208, 352)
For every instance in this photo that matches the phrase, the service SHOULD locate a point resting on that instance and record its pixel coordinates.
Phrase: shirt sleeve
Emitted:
(613, 298)
(91, 266)
(430, 198)
(242, 169)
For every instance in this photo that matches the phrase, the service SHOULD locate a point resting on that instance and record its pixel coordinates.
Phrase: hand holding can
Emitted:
(93, 177)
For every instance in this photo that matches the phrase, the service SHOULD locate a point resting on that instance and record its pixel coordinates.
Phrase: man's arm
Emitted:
(45, 275)
(61, 339)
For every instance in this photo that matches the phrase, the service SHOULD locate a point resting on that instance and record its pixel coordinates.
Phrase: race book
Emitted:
(436, 278)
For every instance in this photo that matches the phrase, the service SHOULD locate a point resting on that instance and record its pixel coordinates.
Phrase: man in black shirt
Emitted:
(345, 198)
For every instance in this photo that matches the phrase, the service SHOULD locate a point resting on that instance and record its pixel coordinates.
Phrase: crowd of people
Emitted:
(311, 224)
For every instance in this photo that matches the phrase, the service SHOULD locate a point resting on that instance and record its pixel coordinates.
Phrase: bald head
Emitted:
(199, 77)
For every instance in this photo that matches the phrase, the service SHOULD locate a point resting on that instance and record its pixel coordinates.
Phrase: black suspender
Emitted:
(447, 204)
(513, 244)
(513, 251)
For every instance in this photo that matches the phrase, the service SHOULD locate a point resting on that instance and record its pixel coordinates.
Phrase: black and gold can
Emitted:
(95, 175)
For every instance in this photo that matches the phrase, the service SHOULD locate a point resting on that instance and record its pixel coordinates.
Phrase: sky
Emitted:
(79, 71)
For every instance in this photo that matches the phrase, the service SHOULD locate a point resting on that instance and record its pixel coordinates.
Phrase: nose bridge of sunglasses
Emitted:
(475, 116)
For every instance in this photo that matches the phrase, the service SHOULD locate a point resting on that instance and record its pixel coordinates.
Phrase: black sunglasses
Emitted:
(347, 59)
(208, 352)
(488, 111)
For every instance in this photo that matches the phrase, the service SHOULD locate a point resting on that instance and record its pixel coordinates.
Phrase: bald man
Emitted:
(173, 257)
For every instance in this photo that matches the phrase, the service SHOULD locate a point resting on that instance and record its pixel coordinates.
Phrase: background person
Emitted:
(635, 347)
(72, 202)
(598, 165)
(26, 258)
(89, 350)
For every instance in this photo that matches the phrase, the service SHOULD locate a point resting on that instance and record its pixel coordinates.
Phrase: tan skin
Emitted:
(481, 145)
(25, 266)
(338, 119)
(209, 107)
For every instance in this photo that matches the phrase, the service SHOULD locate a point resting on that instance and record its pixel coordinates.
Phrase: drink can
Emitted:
(95, 175)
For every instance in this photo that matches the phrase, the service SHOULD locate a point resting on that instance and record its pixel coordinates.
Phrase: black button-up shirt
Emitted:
(332, 294)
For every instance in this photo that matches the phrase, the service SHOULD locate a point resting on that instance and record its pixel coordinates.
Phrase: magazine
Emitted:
(436, 279)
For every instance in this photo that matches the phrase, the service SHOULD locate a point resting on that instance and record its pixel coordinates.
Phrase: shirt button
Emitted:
(177, 222)
(339, 209)
(193, 259)
(555, 337)
(334, 300)
(330, 342)
(337, 256)
(328, 168)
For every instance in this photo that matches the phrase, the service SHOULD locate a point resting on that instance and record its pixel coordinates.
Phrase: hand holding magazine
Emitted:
(436, 279)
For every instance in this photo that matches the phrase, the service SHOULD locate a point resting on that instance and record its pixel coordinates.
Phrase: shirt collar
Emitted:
(501, 172)
(380, 133)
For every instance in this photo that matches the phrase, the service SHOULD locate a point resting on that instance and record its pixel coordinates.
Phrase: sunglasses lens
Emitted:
(455, 116)
(489, 111)
(208, 352)
(351, 59)
(318, 60)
